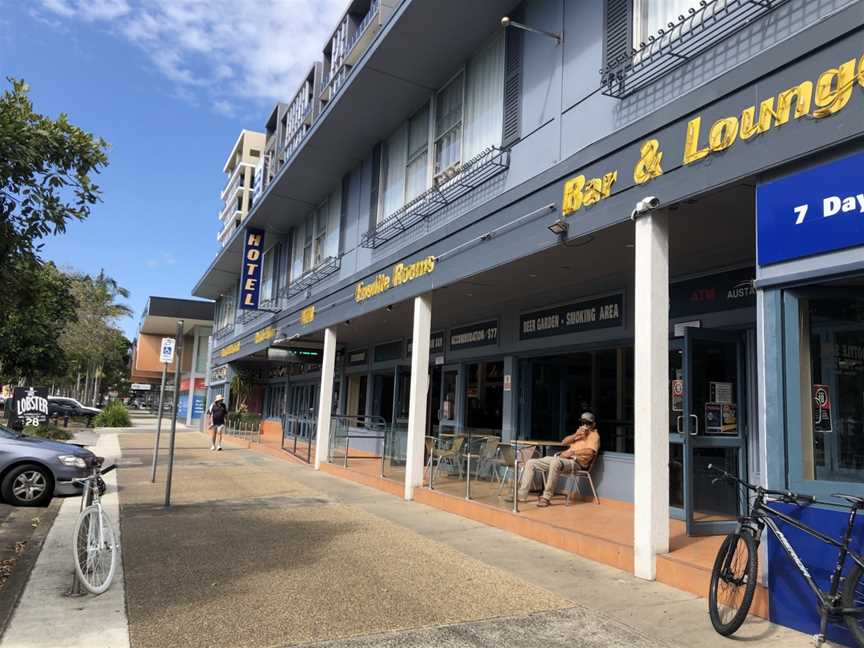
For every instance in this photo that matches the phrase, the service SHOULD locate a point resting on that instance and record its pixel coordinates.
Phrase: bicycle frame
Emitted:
(763, 515)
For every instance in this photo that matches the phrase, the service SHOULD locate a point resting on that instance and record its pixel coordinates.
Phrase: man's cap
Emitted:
(588, 416)
(218, 397)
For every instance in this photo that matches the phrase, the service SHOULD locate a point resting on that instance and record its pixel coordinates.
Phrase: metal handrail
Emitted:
(349, 421)
(307, 424)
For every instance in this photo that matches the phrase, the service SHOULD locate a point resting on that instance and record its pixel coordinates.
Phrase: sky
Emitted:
(169, 84)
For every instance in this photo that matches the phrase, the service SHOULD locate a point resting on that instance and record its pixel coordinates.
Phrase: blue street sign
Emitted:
(811, 212)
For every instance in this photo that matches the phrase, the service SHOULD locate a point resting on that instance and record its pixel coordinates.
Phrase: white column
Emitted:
(325, 397)
(417, 394)
(651, 383)
(192, 376)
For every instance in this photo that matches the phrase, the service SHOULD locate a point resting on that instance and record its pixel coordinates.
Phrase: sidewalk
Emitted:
(260, 551)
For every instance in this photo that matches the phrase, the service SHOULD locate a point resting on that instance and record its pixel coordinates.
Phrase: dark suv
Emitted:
(62, 407)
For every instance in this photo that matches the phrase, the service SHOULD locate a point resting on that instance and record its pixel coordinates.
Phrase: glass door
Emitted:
(712, 424)
(676, 428)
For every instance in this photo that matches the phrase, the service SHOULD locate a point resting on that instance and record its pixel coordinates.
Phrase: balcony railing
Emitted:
(231, 206)
(713, 22)
(320, 272)
(366, 30)
(468, 177)
(230, 226)
(235, 179)
(223, 332)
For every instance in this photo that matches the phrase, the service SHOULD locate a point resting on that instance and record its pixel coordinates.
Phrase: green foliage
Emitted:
(32, 319)
(45, 182)
(114, 414)
(243, 417)
(241, 388)
(48, 431)
(45, 168)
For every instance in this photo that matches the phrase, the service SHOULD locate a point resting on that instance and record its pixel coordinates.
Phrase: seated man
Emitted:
(584, 446)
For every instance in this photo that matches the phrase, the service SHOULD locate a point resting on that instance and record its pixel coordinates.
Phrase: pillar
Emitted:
(193, 374)
(651, 399)
(509, 423)
(325, 398)
(418, 391)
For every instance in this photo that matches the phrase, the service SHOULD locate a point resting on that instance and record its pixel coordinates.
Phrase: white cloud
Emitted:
(222, 52)
(162, 260)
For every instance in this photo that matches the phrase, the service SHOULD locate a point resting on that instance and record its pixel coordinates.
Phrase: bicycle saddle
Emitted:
(857, 502)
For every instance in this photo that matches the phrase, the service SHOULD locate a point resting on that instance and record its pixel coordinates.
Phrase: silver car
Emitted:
(33, 470)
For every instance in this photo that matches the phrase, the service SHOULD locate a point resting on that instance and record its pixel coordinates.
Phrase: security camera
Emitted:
(505, 21)
(647, 204)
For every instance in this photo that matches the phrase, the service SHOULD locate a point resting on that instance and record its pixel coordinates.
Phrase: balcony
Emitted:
(467, 177)
(235, 179)
(366, 31)
(713, 22)
(223, 332)
(320, 272)
(230, 225)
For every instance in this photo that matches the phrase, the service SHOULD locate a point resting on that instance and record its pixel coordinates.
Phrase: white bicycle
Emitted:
(94, 545)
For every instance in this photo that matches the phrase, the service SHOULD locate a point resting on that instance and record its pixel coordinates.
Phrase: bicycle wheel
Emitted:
(853, 596)
(733, 582)
(95, 550)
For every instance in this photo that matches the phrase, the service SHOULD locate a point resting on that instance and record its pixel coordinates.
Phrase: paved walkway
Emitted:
(260, 552)
(45, 617)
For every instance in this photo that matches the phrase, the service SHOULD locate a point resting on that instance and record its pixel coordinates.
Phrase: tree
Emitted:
(32, 322)
(45, 168)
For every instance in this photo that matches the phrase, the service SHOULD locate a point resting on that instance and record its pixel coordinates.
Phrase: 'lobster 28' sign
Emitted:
(29, 406)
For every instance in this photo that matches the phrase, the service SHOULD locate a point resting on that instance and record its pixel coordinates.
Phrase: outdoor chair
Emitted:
(507, 459)
(450, 455)
(485, 456)
(573, 481)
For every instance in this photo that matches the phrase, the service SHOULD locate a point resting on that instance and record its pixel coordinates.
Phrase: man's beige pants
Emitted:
(552, 466)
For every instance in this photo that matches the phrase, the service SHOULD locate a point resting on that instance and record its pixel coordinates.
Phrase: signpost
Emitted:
(174, 412)
(166, 357)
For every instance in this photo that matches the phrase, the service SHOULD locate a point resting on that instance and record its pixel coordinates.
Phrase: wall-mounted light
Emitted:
(559, 227)
(507, 22)
(347, 322)
(389, 309)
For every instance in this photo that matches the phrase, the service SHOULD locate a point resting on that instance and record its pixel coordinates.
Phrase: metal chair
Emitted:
(450, 455)
(507, 459)
(486, 455)
(572, 482)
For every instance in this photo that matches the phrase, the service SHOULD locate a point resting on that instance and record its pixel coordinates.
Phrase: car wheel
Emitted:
(28, 485)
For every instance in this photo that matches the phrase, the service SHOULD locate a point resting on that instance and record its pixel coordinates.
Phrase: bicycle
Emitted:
(734, 569)
(94, 545)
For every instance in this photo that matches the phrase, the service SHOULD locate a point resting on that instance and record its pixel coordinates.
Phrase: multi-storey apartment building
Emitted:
(477, 220)
(239, 172)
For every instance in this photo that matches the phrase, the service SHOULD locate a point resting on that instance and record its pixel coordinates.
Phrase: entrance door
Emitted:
(712, 426)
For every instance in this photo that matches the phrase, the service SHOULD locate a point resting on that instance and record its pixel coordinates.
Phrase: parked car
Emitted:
(33, 470)
(60, 406)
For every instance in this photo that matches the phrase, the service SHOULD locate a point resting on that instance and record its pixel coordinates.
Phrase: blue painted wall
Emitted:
(791, 601)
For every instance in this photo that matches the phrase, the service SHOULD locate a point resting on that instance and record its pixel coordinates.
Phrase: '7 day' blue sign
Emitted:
(811, 212)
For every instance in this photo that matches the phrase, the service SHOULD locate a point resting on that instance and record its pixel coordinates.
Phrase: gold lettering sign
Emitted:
(265, 334)
(307, 314)
(581, 192)
(230, 349)
(401, 274)
(830, 94)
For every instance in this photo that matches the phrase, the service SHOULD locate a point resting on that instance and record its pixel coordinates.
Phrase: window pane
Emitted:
(836, 389)
(449, 107)
(484, 397)
(418, 132)
(448, 150)
(415, 178)
(652, 15)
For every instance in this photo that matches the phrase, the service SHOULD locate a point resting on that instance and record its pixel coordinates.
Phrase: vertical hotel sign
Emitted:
(250, 284)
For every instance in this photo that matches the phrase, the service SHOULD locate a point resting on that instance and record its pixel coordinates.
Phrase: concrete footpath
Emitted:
(260, 551)
(45, 616)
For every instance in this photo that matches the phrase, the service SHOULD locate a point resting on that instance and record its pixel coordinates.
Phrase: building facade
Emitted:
(239, 172)
(158, 321)
(468, 227)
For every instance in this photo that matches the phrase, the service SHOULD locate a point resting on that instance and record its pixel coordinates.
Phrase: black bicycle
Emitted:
(734, 576)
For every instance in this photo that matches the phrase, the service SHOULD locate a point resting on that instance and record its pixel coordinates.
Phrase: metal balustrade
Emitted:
(344, 428)
(467, 177)
(702, 28)
(299, 433)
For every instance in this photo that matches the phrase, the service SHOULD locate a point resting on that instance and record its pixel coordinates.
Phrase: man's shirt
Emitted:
(585, 444)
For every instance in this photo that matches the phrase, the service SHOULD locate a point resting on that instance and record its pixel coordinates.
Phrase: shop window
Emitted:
(832, 385)
(484, 396)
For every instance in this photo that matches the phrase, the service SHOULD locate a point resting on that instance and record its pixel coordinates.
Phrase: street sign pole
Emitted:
(174, 411)
(159, 422)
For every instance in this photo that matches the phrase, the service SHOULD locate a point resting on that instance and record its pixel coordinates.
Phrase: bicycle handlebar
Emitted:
(786, 496)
